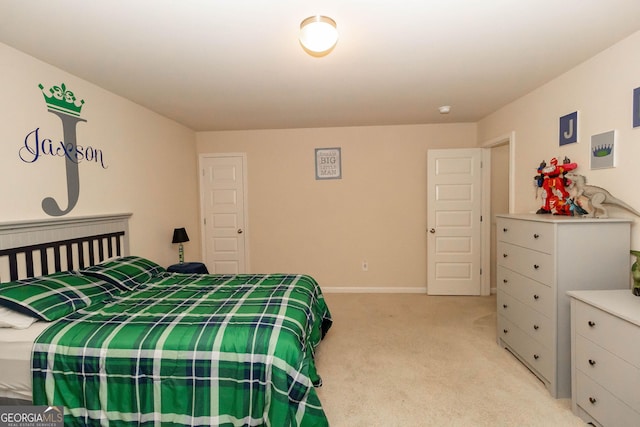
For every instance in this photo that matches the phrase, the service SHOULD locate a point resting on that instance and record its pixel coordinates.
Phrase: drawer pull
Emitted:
(536, 297)
(504, 305)
(504, 255)
(535, 236)
(504, 230)
(536, 327)
(506, 331)
(536, 266)
(535, 356)
(505, 281)
(592, 362)
(591, 323)
(593, 400)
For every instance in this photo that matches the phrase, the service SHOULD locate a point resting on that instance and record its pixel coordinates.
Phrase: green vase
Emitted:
(635, 273)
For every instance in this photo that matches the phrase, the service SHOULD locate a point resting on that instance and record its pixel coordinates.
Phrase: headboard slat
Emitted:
(110, 248)
(29, 259)
(13, 265)
(101, 248)
(81, 254)
(69, 259)
(56, 258)
(92, 254)
(44, 262)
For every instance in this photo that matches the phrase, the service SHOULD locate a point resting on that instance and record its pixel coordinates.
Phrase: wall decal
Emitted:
(328, 163)
(63, 103)
(603, 150)
(568, 129)
(636, 107)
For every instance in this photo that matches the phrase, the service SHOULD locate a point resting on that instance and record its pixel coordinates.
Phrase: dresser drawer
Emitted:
(530, 234)
(531, 322)
(537, 356)
(602, 405)
(612, 333)
(614, 374)
(536, 295)
(536, 265)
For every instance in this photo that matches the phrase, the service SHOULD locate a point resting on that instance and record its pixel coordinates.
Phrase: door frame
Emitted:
(485, 225)
(510, 140)
(245, 213)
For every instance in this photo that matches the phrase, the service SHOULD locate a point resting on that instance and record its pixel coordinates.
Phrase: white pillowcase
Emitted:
(13, 319)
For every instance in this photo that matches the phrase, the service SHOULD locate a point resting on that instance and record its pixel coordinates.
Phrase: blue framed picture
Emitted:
(568, 129)
(636, 107)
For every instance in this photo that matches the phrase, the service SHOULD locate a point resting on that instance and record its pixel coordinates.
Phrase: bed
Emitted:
(121, 339)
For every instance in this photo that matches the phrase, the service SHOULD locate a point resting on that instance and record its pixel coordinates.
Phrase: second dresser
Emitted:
(539, 258)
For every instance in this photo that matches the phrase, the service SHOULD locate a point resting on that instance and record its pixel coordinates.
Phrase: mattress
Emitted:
(15, 360)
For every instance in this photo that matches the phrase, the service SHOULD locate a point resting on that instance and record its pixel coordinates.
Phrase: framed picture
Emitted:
(328, 163)
(603, 148)
(568, 129)
(636, 107)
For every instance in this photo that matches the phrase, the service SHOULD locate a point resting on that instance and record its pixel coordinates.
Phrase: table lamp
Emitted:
(180, 236)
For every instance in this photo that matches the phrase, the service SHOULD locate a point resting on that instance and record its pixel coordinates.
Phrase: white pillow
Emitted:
(13, 319)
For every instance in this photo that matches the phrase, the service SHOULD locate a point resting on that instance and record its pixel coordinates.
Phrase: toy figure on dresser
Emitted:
(576, 209)
(635, 273)
(596, 197)
(551, 178)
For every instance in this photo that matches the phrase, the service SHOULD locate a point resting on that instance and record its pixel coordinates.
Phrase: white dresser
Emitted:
(539, 258)
(605, 343)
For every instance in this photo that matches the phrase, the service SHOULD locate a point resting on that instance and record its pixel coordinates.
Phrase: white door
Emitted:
(222, 187)
(454, 222)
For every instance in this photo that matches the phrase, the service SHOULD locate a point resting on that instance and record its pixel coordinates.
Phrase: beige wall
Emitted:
(151, 161)
(376, 212)
(601, 90)
(326, 228)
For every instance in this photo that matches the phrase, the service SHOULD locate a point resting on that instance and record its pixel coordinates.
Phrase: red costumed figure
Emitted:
(552, 181)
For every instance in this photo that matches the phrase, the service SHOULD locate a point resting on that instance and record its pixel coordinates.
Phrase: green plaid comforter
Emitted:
(208, 350)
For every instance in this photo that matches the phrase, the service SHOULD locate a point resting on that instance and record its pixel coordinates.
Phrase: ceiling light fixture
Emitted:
(445, 109)
(318, 35)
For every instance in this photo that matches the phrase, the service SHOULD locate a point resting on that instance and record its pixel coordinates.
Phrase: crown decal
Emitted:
(60, 99)
(602, 150)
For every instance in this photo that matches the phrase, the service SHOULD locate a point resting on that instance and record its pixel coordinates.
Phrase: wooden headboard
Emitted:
(38, 247)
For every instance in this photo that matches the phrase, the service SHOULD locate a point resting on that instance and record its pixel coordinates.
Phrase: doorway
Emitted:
(502, 152)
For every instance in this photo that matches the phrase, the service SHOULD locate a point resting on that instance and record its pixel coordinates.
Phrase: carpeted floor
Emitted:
(416, 360)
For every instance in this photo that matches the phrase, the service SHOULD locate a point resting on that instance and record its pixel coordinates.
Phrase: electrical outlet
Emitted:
(365, 265)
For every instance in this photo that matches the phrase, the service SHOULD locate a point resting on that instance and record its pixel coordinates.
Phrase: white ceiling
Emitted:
(237, 64)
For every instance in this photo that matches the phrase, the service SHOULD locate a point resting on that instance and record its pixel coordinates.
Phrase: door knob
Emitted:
(239, 230)
(432, 230)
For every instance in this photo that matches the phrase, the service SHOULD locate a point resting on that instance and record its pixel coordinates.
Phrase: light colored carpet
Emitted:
(418, 360)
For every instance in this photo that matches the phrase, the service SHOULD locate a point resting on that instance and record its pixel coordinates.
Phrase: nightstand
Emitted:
(188, 268)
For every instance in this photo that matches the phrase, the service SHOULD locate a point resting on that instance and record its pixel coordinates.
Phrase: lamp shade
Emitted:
(318, 34)
(180, 235)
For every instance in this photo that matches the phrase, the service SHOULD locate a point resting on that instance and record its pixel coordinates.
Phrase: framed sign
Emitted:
(603, 150)
(636, 107)
(568, 129)
(328, 163)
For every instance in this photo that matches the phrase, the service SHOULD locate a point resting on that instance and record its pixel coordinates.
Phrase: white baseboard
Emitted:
(372, 290)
